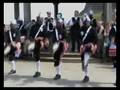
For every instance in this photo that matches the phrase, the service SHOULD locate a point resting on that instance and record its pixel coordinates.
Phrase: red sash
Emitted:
(89, 45)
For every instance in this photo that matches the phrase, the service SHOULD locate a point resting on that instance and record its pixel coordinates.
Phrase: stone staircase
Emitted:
(48, 56)
(68, 57)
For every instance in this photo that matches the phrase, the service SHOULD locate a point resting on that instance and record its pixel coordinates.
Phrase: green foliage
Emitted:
(98, 16)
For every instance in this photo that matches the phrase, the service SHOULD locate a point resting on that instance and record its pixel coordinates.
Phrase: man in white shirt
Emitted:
(75, 23)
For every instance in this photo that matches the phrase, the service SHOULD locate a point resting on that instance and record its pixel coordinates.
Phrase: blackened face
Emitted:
(91, 16)
(38, 18)
(86, 23)
(48, 14)
(76, 13)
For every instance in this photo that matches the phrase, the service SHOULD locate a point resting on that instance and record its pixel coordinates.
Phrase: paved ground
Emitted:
(101, 75)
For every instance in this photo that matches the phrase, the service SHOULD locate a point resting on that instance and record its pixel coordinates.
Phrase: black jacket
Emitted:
(91, 37)
(75, 28)
(14, 32)
(60, 27)
(34, 30)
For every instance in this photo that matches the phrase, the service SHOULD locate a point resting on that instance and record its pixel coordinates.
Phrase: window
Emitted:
(8, 13)
(67, 9)
(21, 17)
(41, 8)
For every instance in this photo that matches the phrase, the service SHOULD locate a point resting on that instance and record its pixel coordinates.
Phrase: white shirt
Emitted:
(70, 22)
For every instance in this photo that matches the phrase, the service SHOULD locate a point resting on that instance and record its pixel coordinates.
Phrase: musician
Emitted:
(15, 45)
(89, 45)
(75, 23)
(59, 46)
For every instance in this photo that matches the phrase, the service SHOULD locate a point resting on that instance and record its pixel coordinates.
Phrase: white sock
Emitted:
(13, 65)
(38, 66)
(58, 69)
(86, 72)
(86, 60)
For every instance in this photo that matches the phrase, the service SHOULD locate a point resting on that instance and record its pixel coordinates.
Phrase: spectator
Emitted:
(75, 24)
(106, 39)
(100, 34)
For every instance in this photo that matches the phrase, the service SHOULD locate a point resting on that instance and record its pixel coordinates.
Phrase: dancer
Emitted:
(60, 45)
(89, 45)
(15, 47)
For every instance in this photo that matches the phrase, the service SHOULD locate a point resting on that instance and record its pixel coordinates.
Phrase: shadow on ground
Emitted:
(63, 82)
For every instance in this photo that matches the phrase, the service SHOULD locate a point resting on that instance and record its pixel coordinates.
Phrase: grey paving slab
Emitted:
(101, 75)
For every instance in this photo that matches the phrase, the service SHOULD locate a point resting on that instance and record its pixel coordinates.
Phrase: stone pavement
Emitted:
(101, 75)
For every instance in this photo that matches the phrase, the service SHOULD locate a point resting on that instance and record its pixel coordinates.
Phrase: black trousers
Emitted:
(75, 40)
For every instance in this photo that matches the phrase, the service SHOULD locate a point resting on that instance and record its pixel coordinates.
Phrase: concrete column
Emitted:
(16, 11)
(107, 12)
(55, 9)
(27, 12)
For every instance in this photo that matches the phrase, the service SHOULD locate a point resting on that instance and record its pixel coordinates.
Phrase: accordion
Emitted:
(112, 50)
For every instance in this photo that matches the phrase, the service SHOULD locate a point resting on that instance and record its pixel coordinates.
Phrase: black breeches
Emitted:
(12, 53)
(82, 60)
(56, 58)
(58, 53)
(47, 34)
(37, 50)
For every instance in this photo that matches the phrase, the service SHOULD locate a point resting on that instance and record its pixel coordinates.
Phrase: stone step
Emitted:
(46, 54)
(64, 59)
(68, 57)
(67, 53)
